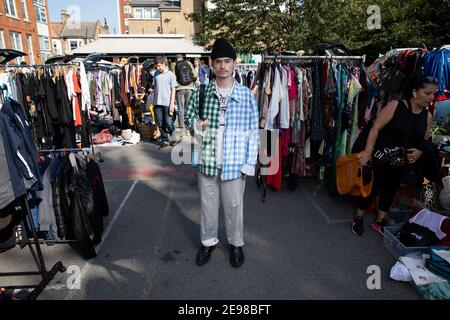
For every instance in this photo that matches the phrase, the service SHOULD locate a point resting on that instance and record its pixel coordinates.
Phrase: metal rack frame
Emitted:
(46, 276)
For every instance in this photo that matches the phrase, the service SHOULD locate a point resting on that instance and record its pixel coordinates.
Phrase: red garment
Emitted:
(445, 228)
(275, 180)
(78, 121)
(283, 152)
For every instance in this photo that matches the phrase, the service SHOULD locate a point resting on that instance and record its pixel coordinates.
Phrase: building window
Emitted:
(41, 15)
(146, 13)
(24, 9)
(16, 44)
(41, 2)
(127, 9)
(2, 40)
(10, 8)
(152, 13)
(138, 13)
(75, 44)
(45, 57)
(30, 48)
(126, 22)
(44, 43)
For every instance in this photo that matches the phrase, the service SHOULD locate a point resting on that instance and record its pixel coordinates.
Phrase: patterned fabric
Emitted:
(241, 138)
(317, 125)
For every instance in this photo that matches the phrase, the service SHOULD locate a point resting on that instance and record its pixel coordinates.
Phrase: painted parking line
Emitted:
(321, 211)
(70, 295)
(158, 245)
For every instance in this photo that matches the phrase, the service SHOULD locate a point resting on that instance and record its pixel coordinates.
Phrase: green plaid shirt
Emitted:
(208, 163)
(241, 136)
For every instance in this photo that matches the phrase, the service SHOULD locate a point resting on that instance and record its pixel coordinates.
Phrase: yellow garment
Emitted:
(152, 110)
(130, 114)
(349, 176)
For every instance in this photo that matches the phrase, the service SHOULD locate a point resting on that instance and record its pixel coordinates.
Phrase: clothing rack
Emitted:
(50, 65)
(46, 276)
(260, 179)
(299, 58)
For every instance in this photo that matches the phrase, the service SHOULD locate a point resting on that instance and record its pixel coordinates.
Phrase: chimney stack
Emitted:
(65, 16)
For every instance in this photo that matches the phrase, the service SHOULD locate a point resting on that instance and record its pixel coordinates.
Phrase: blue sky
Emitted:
(90, 10)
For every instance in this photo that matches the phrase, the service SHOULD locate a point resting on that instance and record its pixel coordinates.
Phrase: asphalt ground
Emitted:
(298, 245)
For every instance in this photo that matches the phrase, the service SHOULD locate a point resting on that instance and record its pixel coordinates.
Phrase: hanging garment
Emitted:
(76, 101)
(265, 96)
(284, 104)
(85, 97)
(20, 149)
(75, 205)
(6, 187)
(101, 208)
(317, 126)
(46, 212)
(275, 100)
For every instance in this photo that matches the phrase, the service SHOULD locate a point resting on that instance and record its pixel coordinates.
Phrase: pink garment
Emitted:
(292, 85)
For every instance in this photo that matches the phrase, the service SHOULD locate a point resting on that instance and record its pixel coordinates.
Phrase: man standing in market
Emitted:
(186, 78)
(228, 125)
(164, 101)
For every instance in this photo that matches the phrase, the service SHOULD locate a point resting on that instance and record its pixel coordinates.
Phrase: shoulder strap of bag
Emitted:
(201, 102)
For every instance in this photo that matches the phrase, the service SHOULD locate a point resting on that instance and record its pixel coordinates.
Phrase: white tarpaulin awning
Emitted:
(145, 44)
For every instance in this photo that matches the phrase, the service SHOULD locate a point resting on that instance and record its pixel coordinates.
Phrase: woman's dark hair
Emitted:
(418, 82)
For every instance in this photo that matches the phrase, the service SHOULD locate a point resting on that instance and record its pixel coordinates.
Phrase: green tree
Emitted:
(255, 26)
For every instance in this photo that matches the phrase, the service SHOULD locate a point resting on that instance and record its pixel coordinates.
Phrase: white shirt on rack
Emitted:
(275, 100)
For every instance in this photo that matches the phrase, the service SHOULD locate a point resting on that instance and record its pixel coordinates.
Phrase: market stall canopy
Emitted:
(143, 45)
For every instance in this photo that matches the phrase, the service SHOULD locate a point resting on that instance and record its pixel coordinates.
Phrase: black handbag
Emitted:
(392, 157)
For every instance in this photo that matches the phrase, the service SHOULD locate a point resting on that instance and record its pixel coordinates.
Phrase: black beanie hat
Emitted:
(222, 49)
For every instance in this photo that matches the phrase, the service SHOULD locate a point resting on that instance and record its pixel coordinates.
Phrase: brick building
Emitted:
(24, 27)
(158, 16)
(68, 36)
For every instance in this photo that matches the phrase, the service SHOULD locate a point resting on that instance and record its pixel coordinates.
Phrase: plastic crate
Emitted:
(394, 246)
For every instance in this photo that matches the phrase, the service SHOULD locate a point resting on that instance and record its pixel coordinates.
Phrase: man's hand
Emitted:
(202, 125)
(172, 108)
(413, 155)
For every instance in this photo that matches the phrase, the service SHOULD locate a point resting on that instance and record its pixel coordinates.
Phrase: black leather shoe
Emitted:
(203, 255)
(236, 256)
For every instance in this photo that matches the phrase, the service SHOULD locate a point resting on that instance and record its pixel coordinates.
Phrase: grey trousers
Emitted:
(212, 190)
(182, 97)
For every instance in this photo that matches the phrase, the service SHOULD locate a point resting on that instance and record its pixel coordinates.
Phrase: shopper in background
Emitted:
(164, 101)
(185, 77)
(204, 73)
(401, 125)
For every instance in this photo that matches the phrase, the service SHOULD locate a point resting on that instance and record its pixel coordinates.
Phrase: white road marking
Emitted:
(70, 295)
